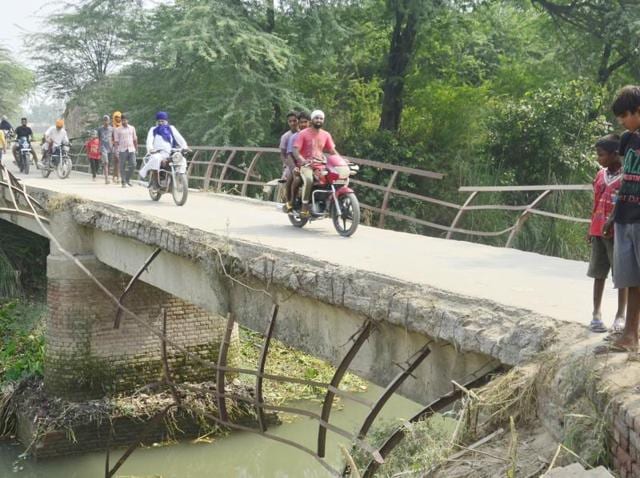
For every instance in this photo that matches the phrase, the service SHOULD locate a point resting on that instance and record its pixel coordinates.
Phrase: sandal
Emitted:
(618, 324)
(597, 326)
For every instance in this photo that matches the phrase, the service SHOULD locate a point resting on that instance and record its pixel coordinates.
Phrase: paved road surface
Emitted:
(547, 285)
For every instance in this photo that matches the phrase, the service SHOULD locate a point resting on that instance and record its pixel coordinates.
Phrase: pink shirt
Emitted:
(312, 143)
(125, 138)
(605, 189)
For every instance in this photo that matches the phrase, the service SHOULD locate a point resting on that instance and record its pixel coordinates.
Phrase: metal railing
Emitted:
(247, 170)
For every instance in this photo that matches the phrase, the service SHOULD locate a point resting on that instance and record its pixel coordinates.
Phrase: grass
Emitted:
(283, 360)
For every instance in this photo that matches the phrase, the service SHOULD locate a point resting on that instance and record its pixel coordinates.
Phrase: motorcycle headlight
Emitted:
(65, 148)
(177, 158)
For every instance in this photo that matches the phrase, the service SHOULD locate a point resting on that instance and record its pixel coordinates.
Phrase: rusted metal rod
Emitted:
(222, 360)
(154, 254)
(363, 335)
(435, 406)
(418, 358)
(261, 364)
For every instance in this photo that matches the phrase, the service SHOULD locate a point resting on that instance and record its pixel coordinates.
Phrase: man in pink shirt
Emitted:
(125, 142)
(308, 146)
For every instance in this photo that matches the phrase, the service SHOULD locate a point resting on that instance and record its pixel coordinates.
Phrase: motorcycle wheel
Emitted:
(26, 162)
(296, 220)
(64, 168)
(45, 170)
(180, 190)
(155, 194)
(347, 222)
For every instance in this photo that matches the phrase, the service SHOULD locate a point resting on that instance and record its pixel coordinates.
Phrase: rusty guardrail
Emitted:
(245, 170)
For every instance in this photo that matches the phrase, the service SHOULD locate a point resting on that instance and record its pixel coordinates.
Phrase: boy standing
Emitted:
(93, 153)
(605, 189)
(626, 219)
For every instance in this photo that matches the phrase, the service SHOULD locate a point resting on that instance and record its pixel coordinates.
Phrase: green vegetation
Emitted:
(283, 360)
(490, 92)
(21, 340)
(16, 81)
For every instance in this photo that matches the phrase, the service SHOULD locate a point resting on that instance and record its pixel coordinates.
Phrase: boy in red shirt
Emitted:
(605, 189)
(93, 153)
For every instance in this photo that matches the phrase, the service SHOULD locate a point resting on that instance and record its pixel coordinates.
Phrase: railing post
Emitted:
(191, 163)
(460, 212)
(243, 191)
(207, 176)
(524, 216)
(385, 200)
(224, 169)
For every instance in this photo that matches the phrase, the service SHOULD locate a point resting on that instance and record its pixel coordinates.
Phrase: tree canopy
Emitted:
(485, 91)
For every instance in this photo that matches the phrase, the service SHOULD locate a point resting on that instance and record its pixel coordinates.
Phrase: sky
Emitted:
(26, 16)
(19, 17)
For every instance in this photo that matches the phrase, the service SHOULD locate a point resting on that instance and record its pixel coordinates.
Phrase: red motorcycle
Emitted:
(331, 196)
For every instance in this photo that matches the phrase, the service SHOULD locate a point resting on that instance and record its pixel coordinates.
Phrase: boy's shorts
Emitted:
(601, 257)
(626, 255)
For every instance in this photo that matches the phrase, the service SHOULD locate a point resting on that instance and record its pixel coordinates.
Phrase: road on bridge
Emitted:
(547, 285)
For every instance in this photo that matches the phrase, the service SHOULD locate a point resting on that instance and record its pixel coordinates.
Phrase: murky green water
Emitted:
(243, 455)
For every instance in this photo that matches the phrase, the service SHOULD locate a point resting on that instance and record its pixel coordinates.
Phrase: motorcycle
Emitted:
(58, 160)
(172, 178)
(331, 196)
(24, 154)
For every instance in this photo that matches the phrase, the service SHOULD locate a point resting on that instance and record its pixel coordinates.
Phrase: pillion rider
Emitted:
(307, 147)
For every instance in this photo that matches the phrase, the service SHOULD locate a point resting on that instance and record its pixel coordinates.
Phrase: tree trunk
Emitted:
(271, 16)
(401, 50)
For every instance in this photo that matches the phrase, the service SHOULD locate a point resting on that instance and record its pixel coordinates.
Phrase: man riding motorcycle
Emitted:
(23, 131)
(307, 147)
(160, 140)
(54, 137)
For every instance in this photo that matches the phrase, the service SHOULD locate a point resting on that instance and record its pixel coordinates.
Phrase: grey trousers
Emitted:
(127, 159)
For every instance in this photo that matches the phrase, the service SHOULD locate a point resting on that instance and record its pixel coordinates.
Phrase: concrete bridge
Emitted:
(481, 306)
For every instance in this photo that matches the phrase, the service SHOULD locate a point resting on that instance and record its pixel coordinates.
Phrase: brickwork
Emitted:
(86, 357)
(624, 423)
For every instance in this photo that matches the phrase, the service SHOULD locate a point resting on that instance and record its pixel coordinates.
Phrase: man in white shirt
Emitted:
(160, 140)
(54, 137)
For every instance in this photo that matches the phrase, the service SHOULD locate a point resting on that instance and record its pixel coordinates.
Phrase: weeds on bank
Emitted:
(283, 360)
(21, 340)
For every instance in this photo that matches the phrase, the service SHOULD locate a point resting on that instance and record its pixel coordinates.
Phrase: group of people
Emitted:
(115, 143)
(303, 143)
(615, 225)
(53, 138)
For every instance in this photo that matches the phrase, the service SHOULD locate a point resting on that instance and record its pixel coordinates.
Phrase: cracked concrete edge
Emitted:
(511, 335)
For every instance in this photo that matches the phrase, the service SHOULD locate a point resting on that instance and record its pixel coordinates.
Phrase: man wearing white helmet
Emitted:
(308, 146)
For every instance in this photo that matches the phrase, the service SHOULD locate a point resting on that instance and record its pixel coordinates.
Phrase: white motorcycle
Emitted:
(172, 178)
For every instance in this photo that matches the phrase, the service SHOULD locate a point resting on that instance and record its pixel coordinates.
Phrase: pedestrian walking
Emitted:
(125, 145)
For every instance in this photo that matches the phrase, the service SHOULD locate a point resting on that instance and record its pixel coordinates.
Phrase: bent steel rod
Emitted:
(391, 389)
(261, 364)
(335, 381)
(435, 406)
(286, 441)
(222, 359)
(154, 254)
(305, 413)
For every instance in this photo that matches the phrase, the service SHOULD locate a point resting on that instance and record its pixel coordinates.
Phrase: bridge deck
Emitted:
(554, 287)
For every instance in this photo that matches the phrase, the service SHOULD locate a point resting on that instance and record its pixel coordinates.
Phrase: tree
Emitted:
(610, 27)
(16, 81)
(83, 44)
